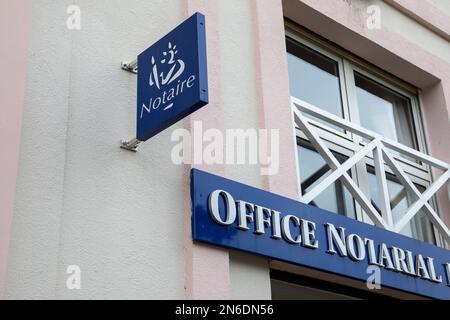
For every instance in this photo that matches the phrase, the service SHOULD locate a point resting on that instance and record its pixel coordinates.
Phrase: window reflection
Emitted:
(313, 169)
(314, 78)
(400, 200)
(384, 111)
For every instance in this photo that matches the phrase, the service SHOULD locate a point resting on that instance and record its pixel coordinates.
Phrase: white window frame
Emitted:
(348, 144)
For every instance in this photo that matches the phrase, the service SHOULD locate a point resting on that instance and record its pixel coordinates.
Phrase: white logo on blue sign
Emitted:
(164, 81)
(172, 78)
(176, 70)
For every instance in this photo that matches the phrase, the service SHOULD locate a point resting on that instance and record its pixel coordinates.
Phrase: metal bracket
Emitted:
(130, 66)
(130, 145)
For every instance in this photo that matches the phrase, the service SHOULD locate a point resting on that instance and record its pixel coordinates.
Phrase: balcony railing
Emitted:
(382, 151)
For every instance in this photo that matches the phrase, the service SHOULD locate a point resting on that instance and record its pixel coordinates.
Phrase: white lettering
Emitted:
(385, 257)
(447, 272)
(286, 229)
(433, 276)
(336, 238)
(213, 204)
(308, 233)
(245, 214)
(261, 221)
(421, 267)
(356, 248)
(276, 227)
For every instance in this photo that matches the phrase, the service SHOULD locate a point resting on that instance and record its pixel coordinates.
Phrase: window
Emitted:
(319, 83)
(420, 227)
(313, 170)
(384, 111)
(324, 77)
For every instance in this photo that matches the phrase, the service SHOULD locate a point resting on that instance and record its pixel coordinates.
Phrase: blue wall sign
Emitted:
(237, 216)
(172, 78)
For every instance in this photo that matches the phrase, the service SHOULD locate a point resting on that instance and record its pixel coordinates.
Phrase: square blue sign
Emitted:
(172, 78)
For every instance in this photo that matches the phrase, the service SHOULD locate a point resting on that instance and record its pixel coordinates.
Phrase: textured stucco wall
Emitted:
(83, 201)
(34, 244)
(80, 199)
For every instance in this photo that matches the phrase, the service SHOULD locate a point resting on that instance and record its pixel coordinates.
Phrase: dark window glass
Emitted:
(314, 78)
(420, 226)
(385, 111)
(313, 169)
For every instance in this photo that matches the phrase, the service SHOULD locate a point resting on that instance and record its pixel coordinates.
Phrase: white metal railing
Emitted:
(381, 148)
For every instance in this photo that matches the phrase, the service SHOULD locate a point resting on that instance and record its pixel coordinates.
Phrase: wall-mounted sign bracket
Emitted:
(130, 66)
(131, 145)
(172, 81)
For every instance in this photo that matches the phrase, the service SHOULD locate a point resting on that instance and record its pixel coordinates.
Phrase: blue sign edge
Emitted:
(203, 79)
(195, 172)
(202, 59)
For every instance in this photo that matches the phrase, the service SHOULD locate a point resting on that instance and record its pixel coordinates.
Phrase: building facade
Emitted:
(332, 77)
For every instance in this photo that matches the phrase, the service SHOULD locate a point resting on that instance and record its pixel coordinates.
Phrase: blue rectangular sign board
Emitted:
(172, 78)
(237, 216)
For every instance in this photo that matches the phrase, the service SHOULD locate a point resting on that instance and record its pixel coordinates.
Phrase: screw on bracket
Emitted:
(130, 145)
(130, 66)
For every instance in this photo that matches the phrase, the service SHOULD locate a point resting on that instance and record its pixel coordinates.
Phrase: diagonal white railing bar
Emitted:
(422, 198)
(407, 151)
(436, 185)
(398, 198)
(425, 196)
(381, 148)
(380, 174)
(400, 174)
(365, 133)
(437, 222)
(334, 164)
(331, 118)
(336, 174)
(422, 203)
(417, 205)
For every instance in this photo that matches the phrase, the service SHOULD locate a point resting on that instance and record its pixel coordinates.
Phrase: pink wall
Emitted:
(436, 105)
(14, 31)
(273, 92)
(207, 269)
